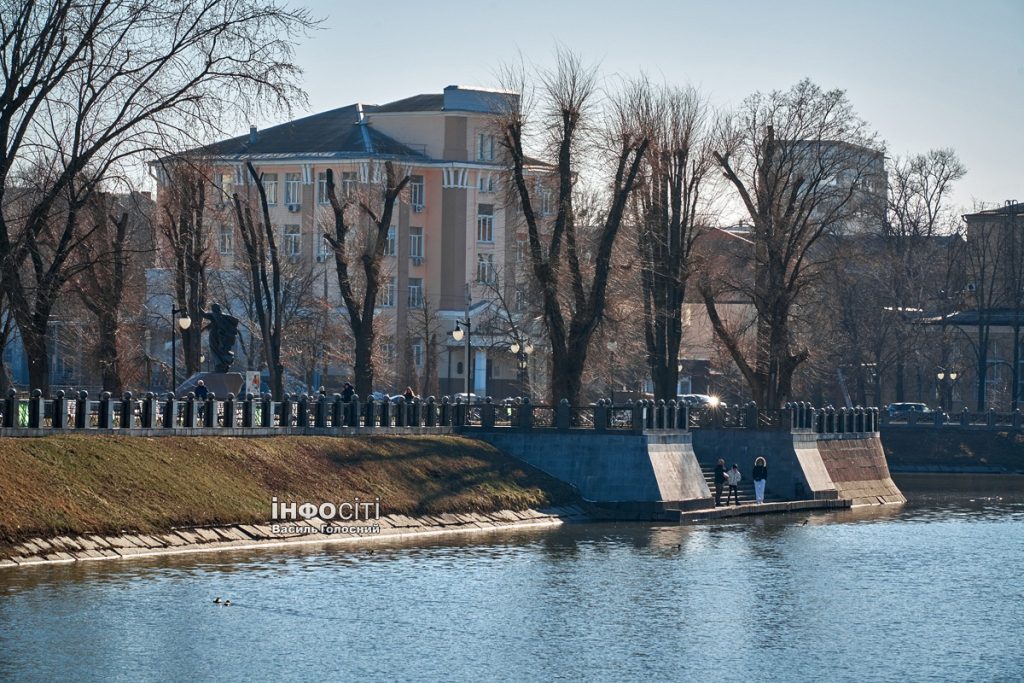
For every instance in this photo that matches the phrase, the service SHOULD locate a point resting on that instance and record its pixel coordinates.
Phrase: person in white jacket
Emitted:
(734, 484)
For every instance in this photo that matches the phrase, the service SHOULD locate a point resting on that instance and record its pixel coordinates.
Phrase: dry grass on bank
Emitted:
(96, 484)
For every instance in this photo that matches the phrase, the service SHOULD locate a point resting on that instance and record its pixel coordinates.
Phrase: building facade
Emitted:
(451, 234)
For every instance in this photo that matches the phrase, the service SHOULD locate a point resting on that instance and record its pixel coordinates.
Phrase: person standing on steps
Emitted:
(734, 484)
(720, 478)
(760, 477)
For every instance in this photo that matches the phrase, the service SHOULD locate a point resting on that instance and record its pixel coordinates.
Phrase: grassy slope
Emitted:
(78, 484)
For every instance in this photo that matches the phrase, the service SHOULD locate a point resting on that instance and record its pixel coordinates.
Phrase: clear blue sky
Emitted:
(925, 74)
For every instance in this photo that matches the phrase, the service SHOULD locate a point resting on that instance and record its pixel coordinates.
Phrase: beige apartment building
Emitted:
(450, 235)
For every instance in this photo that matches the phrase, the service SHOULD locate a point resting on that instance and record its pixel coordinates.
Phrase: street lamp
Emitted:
(457, 335)
(946, 386)
(522, 353)
(184, 323)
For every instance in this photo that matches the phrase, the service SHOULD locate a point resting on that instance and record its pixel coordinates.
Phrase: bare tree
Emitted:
(918, 210)
(801, 162)
(6, 329)
(425, 324)
(185, 228)
(577, 242)
(264, 267)
(89, 87)
(361, 310)
(108, 257)
(675, 174)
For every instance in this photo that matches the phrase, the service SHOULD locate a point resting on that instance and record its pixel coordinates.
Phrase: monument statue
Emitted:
(223, 330)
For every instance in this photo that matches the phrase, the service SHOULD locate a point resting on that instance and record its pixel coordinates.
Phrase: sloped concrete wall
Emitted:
(612, 468)
(858, 468)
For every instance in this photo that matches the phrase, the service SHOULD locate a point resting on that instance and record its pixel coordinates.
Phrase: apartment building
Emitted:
(450, 235)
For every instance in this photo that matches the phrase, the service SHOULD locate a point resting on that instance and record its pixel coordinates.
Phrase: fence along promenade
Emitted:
(323, 414)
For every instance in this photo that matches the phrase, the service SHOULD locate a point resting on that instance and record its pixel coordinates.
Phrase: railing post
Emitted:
(228, 421)
(938, 418)
(562, 415)
(385, 412)
(399, 411)
(526, 414)
(127, 411)
(601, 416)
(320, 420)
(487, 414)
(789, 417)
(106, 411)
(60, 411)
(11, 408)
(148, 412)
(990, 418)
(637, 409)
(751, 416)
(965, 417)
(446, 412)
(302, 419)
(458, 413)
(648, 414)
(210, 411)
(190, 415)
(169, 412)
(431, 412)
(1016, 418)
(353, 412)
(267, 410)
(417, 412)
(684, 417)
(285, 419)
(36, 409)
(369, 413)
(337, 411)
(248, 412)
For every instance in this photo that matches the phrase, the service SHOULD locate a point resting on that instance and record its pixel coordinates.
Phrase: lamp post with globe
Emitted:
(184, 322)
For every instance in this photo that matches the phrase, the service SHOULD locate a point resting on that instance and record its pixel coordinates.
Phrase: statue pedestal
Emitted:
(220, 384)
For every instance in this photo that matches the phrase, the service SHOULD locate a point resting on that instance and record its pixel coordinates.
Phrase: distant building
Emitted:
(451, 235)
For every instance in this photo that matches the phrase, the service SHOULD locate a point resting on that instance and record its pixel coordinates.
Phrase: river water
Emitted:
(928, 592)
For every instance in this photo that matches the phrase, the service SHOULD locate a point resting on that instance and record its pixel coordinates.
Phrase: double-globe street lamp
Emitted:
(522, 353)
(184, 322)
(946, 398)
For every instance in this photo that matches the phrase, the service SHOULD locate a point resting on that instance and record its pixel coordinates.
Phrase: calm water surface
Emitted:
(928, 592)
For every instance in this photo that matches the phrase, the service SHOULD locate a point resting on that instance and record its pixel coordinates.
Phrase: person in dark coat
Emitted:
(409, 394)
(760, 477)
(201, 391)
(719, 481)
(347, 393)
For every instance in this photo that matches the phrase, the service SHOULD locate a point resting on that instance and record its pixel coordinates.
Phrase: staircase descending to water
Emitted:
(746, 488)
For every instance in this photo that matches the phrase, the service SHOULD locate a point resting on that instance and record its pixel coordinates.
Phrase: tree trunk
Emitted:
(363, 366)
(34, 341)
(109, 359)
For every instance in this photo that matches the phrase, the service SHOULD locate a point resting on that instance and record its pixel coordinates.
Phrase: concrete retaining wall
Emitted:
(625, 470)
(858, 469)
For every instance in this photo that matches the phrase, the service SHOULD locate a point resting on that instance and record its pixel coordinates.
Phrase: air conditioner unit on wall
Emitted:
(417, 260)
(416, 208)
(294, 208)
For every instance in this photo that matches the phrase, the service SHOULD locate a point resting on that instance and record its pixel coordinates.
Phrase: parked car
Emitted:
(699, 400)
(904, 410)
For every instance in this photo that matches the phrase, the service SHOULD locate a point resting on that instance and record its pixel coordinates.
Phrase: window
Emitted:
(485, 223)
(485, 182)
(225, 185)
(417, 352)
(391, 246)
(226, 241)
(349, 183)
(485, 268)
(321, 188)
(324, 249)
(415, 292)
(485, 147)
(270, 187)
(292, 240)
(520, 303)
(387, 350)
(546, 196)
(387, 292)
(522, 250)
(292, 188)
(415, 243)
(416, 192)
